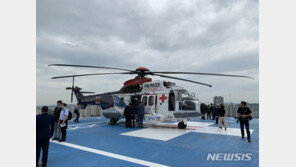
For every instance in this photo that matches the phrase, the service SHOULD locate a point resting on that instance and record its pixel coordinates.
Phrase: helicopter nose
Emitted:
(203, 108)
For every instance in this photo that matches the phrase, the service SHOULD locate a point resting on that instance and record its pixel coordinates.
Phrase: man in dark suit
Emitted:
(245, 114)
(44, 131)
(56, 114)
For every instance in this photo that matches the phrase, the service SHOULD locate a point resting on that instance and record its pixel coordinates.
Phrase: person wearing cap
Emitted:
(56, 114)
(64, 121)
(244, 114)
(44, 131)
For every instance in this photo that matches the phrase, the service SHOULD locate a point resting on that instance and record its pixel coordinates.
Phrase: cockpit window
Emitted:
(186, 100)
(131, 89)
(185, 95)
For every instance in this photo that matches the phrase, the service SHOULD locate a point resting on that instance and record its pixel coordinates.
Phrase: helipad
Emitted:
(94, 143)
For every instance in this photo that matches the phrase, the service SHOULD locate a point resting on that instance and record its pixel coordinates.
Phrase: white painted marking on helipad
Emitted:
(159, 133)
(112, 155)
(78, 124)
(164, 133)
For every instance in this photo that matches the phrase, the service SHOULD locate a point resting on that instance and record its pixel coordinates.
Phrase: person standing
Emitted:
(244, 114)
(141, 112)
(216, 110)
(134, 112)
(209, 112)
(64, 121)
(44, 131)
(127, 114)
(77, 112)
(222, 116)
(56, 114)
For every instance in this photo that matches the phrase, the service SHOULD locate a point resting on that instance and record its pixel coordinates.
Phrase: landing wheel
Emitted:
(113, 121)
(181, 125)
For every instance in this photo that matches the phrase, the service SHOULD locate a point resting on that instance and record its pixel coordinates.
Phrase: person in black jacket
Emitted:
(222, 116)
(209, 113)
(244, 114)
(44, 131)
(128, 115)
(134, 105)
(57, 111)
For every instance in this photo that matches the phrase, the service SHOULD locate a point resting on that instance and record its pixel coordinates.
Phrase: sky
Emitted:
(163, 35)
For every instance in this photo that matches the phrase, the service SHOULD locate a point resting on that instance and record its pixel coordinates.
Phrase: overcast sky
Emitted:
(189, 35)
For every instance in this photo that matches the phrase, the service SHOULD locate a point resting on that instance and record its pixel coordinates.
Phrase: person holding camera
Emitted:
(244, 114)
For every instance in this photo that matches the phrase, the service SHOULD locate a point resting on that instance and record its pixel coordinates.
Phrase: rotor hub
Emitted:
(142, 69)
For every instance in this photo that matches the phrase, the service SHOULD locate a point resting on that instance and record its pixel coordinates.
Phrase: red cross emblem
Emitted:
(97, 100)
(163, 98)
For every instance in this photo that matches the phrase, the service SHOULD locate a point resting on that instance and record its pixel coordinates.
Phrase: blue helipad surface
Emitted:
(93, 143)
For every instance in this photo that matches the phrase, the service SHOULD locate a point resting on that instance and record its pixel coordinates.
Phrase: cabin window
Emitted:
(151, 101)
(144, 100)
(106, 101)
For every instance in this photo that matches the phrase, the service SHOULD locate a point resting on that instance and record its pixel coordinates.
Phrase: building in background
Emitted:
(217, 100)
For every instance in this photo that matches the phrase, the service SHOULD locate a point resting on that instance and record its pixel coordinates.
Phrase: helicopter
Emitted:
(164, 101)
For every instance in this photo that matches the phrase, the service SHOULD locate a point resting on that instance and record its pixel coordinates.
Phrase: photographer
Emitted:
(244, 114)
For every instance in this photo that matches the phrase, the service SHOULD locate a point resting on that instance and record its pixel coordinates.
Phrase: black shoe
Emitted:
(225, 128)
(243, 137)
(55, 138)
(249, 140)
(61, 140)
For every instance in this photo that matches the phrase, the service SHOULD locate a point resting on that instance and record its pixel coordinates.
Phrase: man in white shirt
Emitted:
(64, 121)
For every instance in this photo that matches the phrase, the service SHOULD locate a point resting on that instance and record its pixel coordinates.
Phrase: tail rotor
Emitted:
(77, 91)
(72, 88)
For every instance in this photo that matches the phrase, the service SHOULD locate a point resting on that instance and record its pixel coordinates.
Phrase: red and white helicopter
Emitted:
(164, 101)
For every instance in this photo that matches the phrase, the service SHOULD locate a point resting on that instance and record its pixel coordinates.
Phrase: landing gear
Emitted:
(181, 125)
(113, 121)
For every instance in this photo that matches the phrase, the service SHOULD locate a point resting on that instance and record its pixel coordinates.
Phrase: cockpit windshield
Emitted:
(185, 95)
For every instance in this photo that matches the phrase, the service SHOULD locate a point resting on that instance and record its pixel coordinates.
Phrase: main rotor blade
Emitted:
(165, 76)
(199, 73)
(87, 92)
(81, 75)
(86, 66)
